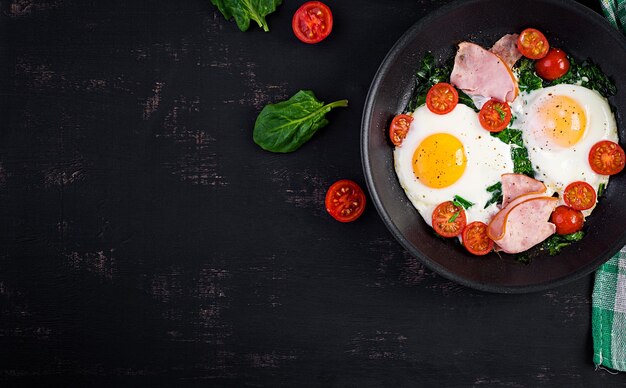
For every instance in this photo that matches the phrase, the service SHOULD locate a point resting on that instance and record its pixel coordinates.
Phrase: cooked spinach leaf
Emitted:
(246, 10)
(601, 189)
(523, 258)
(496, 194)
(287, 125)
(519, 153)
(586, 74)
(462, 202)
(556, 242)
(521, 161)
(527, 78)
(428, 75)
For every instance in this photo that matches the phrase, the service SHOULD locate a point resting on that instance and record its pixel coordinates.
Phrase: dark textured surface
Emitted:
(145, 239)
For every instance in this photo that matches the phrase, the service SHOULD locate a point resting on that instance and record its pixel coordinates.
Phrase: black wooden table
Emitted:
(146, 240)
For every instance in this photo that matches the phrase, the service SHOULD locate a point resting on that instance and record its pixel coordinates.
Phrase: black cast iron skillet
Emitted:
(578, 30)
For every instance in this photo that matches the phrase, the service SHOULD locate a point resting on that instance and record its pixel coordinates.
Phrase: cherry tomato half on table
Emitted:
(579, 196)
(475, 239)
(567, 220)
(448, 220)
(312, 22)
(532, 44)
(442, 98)
(607, 158)
(495, 115)
(552, 66)
(399, 128)
(345, 200)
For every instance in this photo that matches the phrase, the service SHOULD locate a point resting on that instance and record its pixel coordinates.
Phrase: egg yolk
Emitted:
(563, 120)
(439, 160)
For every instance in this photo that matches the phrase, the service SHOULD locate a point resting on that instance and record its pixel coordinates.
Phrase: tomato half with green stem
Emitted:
(552, 66)
(607, 158)
(345, 200)
(476, 240)
(532, 44)
(399, 128)
(579, 195)
(448, 219)
(495, 115)
(567, 220)
(312, 22)
(442, 98)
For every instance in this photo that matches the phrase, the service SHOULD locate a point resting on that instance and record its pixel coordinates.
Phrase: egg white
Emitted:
(487, 159)
(559, 166)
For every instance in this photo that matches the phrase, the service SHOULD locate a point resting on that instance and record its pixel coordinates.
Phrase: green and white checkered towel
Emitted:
(608, 316)
(615, 12)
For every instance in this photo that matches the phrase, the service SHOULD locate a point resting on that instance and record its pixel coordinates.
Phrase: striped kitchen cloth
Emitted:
(608, 315)
(615, 12)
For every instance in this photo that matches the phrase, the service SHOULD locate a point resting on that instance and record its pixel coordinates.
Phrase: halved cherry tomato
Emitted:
(448, 220)
(579, 195)
(312, 22)
(345, 200)
(399, 128)
(494, 116)
(532, 44)
(442, 98)
(552, 66)
(475, 239)
(567, 220)
(607, 158)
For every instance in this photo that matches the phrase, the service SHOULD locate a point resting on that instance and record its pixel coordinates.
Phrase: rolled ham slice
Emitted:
(480, 72)
(515, 185)
(506, 49)
(497, 225)
(525, 224)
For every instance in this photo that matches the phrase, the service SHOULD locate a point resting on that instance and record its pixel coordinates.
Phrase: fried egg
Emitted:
(447, 155)
(560, 124)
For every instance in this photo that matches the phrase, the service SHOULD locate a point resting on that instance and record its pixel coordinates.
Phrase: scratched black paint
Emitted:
(145, 239)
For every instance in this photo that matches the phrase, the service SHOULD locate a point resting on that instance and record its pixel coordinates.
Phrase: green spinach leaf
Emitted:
(459, 201)
(496, 194)
(586, 74)
(556, 242)
(246, 10)
(428, 75)
(527, 78)
(287, 125)
(519, 153)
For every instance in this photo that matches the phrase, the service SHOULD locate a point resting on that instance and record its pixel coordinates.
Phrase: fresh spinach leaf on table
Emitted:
(246, 10)
(287, 125)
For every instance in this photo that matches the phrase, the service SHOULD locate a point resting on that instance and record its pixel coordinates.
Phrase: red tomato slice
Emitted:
(567, 220)
(312, 22)
(607, 158)
(442, 98)
(552, 66)
(579, 196)
(345, 200)
(399, 128)
(448, 219)
(494, 116)
(532, 44)
(475, 239)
